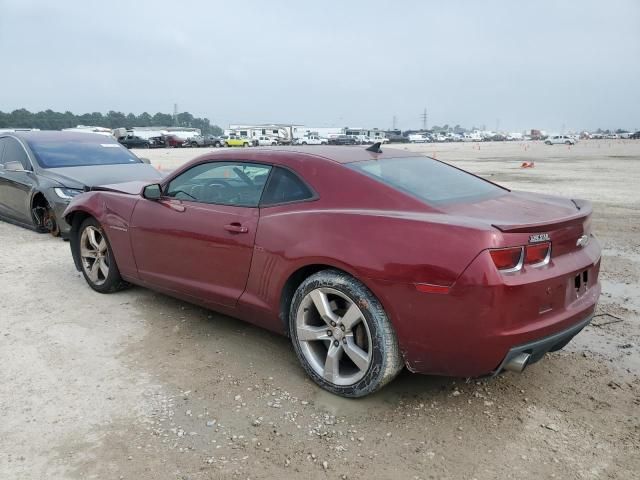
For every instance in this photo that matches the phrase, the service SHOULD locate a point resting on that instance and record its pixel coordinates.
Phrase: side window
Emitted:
(285, 186)
(222, 183)
(13, 152)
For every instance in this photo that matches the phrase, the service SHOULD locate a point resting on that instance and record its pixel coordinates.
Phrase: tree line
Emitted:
(50, 120)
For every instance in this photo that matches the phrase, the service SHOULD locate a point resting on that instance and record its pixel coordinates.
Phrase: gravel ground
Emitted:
(137, 385)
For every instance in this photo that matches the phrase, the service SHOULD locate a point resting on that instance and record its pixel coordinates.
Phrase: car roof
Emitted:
(338, 154)
(54, 135)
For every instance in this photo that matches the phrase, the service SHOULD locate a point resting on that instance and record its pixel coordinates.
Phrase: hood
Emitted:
(130, 188)
(93, 175)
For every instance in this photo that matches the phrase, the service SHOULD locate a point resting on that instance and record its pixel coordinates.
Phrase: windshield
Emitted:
(429, 180)
(57, 154)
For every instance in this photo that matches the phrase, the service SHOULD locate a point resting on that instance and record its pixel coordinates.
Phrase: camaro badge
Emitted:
(539, 237)
(582, 241)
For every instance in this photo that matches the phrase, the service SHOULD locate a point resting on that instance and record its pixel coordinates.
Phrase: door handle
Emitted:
(235, 227)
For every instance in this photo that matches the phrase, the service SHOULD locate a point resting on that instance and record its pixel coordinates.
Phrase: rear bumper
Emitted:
(470, 331)
(538, 348)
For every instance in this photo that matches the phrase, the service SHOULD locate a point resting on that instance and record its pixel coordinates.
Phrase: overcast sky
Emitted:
(531, 64)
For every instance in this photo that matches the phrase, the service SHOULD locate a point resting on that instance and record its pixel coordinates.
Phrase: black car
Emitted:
(133, 141)
(40, 172)
(343, 140)
(157, 142)
(636, 135)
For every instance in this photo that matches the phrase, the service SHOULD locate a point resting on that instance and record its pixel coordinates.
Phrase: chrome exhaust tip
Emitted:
(518, 363)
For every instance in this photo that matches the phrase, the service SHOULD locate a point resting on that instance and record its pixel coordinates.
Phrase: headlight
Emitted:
(67, 193)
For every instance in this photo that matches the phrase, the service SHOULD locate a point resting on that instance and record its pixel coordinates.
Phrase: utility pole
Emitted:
(424, 116)
(394, 122)
(175, 114)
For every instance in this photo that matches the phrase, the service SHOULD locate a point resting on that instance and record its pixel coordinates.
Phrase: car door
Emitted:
(16, 186)
(198, 238)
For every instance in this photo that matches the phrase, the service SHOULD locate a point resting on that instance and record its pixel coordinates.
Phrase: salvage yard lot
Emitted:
(137, 385)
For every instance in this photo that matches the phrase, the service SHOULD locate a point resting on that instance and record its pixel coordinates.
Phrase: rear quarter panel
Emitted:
(401, 249)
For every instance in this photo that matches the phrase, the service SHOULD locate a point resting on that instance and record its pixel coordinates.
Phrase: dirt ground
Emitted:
(137, 385)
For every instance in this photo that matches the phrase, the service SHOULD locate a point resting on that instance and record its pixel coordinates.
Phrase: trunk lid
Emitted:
(525, 218)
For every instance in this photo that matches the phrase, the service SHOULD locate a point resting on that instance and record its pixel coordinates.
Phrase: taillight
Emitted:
(537, 254)
(507, 259)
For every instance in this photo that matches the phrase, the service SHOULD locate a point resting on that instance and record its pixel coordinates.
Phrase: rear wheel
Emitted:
(96, 257)
(548, 142)
(342, 336)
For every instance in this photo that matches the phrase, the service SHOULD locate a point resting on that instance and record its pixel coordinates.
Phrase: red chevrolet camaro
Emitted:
(368, 260)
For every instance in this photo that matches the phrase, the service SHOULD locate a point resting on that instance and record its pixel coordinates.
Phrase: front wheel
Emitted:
(96, 257)
(342, 336)
(548, 142)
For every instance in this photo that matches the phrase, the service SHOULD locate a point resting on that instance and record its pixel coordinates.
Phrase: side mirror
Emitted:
(152, 192)
(145, 160)
(14, 167)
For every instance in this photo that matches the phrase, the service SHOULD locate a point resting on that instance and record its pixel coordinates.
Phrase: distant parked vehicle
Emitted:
(204, 141)
(498, 137)
(313, 140)
(418, 138)
(235, 141)
(559, 140)
(173, 141)
(396, 138)
(471, 137)
(635, 136)
(611, 136)
(264, 141)
(157, 142)
(133, 141)
(343, 140)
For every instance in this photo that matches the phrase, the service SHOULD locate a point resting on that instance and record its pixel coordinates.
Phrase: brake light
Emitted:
(538, 253)
(507, 259)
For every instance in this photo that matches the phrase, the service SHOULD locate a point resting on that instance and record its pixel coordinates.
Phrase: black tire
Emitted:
(386, 360)
(567, 142)
(548, 142)
(217, 145)
(194, 145)
(113, 281)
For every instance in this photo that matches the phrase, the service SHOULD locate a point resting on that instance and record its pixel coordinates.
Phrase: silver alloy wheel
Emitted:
(334, 336)
(95, 255)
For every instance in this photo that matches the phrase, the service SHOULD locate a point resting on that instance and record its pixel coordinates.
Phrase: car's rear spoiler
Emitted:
(584, 210)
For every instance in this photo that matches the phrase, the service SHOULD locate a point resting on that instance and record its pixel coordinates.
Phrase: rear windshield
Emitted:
(429, 180)
(56, 154)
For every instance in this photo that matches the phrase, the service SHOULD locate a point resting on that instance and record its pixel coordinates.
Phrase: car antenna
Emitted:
(375, 148)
